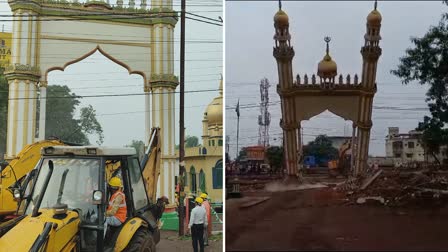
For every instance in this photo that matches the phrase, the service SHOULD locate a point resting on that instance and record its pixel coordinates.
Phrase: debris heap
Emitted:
(399, 188)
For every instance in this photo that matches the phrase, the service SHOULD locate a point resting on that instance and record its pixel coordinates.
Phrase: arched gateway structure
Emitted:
(50, 35)
(303, 99)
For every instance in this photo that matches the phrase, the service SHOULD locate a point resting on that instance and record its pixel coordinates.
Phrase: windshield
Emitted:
(75, 190)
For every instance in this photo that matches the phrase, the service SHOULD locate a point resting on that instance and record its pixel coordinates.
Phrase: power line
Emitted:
(100, 87)
(111, 95)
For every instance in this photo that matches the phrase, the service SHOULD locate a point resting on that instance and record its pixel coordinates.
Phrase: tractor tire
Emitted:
(142, 241)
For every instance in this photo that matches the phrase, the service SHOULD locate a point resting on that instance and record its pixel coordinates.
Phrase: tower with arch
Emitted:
(303, 98)
(51, 35)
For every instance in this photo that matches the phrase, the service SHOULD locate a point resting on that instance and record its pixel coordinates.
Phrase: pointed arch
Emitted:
(202, 184)
(105, 54)
(193, 180)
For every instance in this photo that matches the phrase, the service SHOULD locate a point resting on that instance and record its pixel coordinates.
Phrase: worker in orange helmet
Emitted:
(116, 210)
(208, 210)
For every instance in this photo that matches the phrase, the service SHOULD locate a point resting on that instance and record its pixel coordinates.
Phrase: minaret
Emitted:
(162, 83)
(370, 53)
(283, 53)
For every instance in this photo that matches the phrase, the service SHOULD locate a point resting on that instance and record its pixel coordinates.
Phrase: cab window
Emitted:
(139, 193)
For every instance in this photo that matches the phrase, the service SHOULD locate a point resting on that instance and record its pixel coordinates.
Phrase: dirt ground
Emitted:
(321, 219)
(169, 241)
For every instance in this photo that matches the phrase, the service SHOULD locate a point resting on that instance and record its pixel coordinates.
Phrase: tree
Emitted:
(60, 121)
(275, 157)
(321, 148)
(3, 112)
(191, 141)
(427, 63)
(139, 147)
(242, 154)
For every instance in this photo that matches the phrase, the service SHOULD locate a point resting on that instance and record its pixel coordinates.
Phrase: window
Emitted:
(397, 155)
(204, 151)
(217, 175)
(137, 183)
(213, 142)
(193, 187)
(202, 181)
(411, 145)
(409, 155)
(220, 142)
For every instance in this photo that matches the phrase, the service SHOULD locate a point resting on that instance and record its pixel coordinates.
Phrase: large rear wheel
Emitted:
(141, 242)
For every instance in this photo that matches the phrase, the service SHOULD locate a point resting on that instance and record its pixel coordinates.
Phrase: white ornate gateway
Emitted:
(304, 98)
(50, 35)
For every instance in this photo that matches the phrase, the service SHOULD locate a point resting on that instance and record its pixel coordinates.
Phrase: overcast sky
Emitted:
(122, 118)
(249, 42)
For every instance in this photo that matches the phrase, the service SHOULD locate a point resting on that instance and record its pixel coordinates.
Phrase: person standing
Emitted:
(208, 228)
(198, 222)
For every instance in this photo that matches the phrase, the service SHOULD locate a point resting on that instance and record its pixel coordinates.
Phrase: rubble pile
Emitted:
(399, 188)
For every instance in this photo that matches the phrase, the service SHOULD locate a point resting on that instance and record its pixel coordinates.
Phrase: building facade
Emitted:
(203, 163)
(407, 147)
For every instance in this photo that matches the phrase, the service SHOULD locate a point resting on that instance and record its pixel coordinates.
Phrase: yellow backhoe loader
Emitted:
(12, 174)
(64, 201)
(342, 164)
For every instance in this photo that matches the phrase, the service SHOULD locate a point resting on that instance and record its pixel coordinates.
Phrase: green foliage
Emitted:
(60, 121)
(3, 111)
(191, 141)
(427, 63)
(320, 148)
(275, 157)
(242, 154)
(139, 147)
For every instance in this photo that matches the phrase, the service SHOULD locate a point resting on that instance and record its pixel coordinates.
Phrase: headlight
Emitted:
(17, 194)
(97, 195)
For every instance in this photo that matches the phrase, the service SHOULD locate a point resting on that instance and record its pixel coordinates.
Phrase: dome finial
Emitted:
(279, 4)
(327, 40)
(376, 3)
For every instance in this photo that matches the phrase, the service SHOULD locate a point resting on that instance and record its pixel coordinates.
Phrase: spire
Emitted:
(374, 6)
(280, 4)
(327, 40)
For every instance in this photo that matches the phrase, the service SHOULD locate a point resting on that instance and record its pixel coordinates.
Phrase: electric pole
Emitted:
(181, 121)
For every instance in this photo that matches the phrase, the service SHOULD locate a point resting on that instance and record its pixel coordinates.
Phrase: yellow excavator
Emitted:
(64, 201)
(342, 164)
(12, 174)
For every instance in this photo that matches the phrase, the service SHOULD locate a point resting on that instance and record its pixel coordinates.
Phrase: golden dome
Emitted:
(281, 18)
(374, 17)
(327, 67)
(214, 109)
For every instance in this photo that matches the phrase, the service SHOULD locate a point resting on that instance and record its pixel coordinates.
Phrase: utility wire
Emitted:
(111, 95)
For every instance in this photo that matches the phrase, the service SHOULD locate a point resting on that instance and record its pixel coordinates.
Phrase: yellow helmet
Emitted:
(199, 200)
(115, 182)
(204, 195)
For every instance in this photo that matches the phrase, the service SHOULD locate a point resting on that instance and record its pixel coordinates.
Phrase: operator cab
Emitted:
(73, 179)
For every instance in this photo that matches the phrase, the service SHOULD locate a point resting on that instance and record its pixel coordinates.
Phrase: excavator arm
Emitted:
(17, 169)
(151, 164)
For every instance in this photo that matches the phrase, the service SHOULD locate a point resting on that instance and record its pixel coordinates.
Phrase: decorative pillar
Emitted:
(284, 53)
(22, 75)
(42, 108)
(163, 85)
(370, 53)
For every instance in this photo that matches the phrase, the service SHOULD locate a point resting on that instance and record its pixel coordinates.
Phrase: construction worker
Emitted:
(208, 210)
(116, 211)
(197, 223)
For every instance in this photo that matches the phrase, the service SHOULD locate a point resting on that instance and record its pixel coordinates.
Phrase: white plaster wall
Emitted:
(127, 44)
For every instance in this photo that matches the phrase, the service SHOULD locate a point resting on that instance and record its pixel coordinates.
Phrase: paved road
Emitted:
(169, 241)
